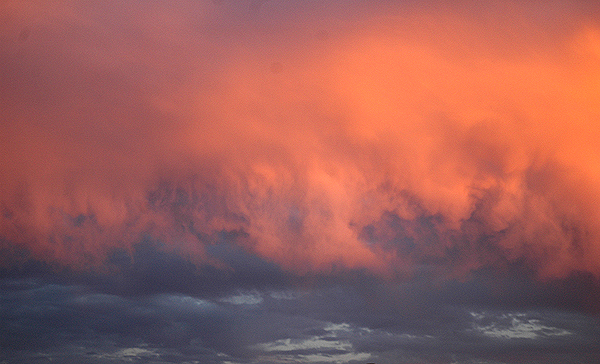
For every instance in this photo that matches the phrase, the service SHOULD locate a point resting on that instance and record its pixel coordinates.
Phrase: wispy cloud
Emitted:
(515, 326)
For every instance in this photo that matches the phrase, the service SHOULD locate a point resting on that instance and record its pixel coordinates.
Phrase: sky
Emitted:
(286, 181)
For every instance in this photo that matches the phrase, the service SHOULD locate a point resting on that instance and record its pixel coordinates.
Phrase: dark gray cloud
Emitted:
(152, 268)
(332, 323)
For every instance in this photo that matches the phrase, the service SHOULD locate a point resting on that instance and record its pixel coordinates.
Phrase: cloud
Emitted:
(518, 327)
(244, 298)
(130, 354)
(68, 323)
(359, 164)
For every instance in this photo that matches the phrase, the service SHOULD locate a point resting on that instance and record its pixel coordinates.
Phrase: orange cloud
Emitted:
(391, 141)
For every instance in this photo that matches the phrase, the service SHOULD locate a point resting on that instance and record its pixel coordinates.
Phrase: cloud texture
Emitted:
(374, 138)
(197, 147)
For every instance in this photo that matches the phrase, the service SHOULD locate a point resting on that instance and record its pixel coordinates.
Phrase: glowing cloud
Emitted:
(391, 138)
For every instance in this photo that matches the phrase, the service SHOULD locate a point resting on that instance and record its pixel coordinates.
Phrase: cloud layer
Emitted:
(69, 323)
(382, 138)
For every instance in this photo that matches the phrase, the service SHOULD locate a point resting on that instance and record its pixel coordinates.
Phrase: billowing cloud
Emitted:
(316, 137)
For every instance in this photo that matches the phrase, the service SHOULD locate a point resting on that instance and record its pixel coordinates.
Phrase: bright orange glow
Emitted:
(302, 142)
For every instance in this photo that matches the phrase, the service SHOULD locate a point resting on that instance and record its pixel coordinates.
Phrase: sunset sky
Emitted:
(287, 181)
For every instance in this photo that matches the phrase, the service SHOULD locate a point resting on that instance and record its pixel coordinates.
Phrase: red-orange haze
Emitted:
(378, 137)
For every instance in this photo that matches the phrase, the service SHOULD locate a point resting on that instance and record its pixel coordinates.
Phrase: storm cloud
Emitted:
(287, 181)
